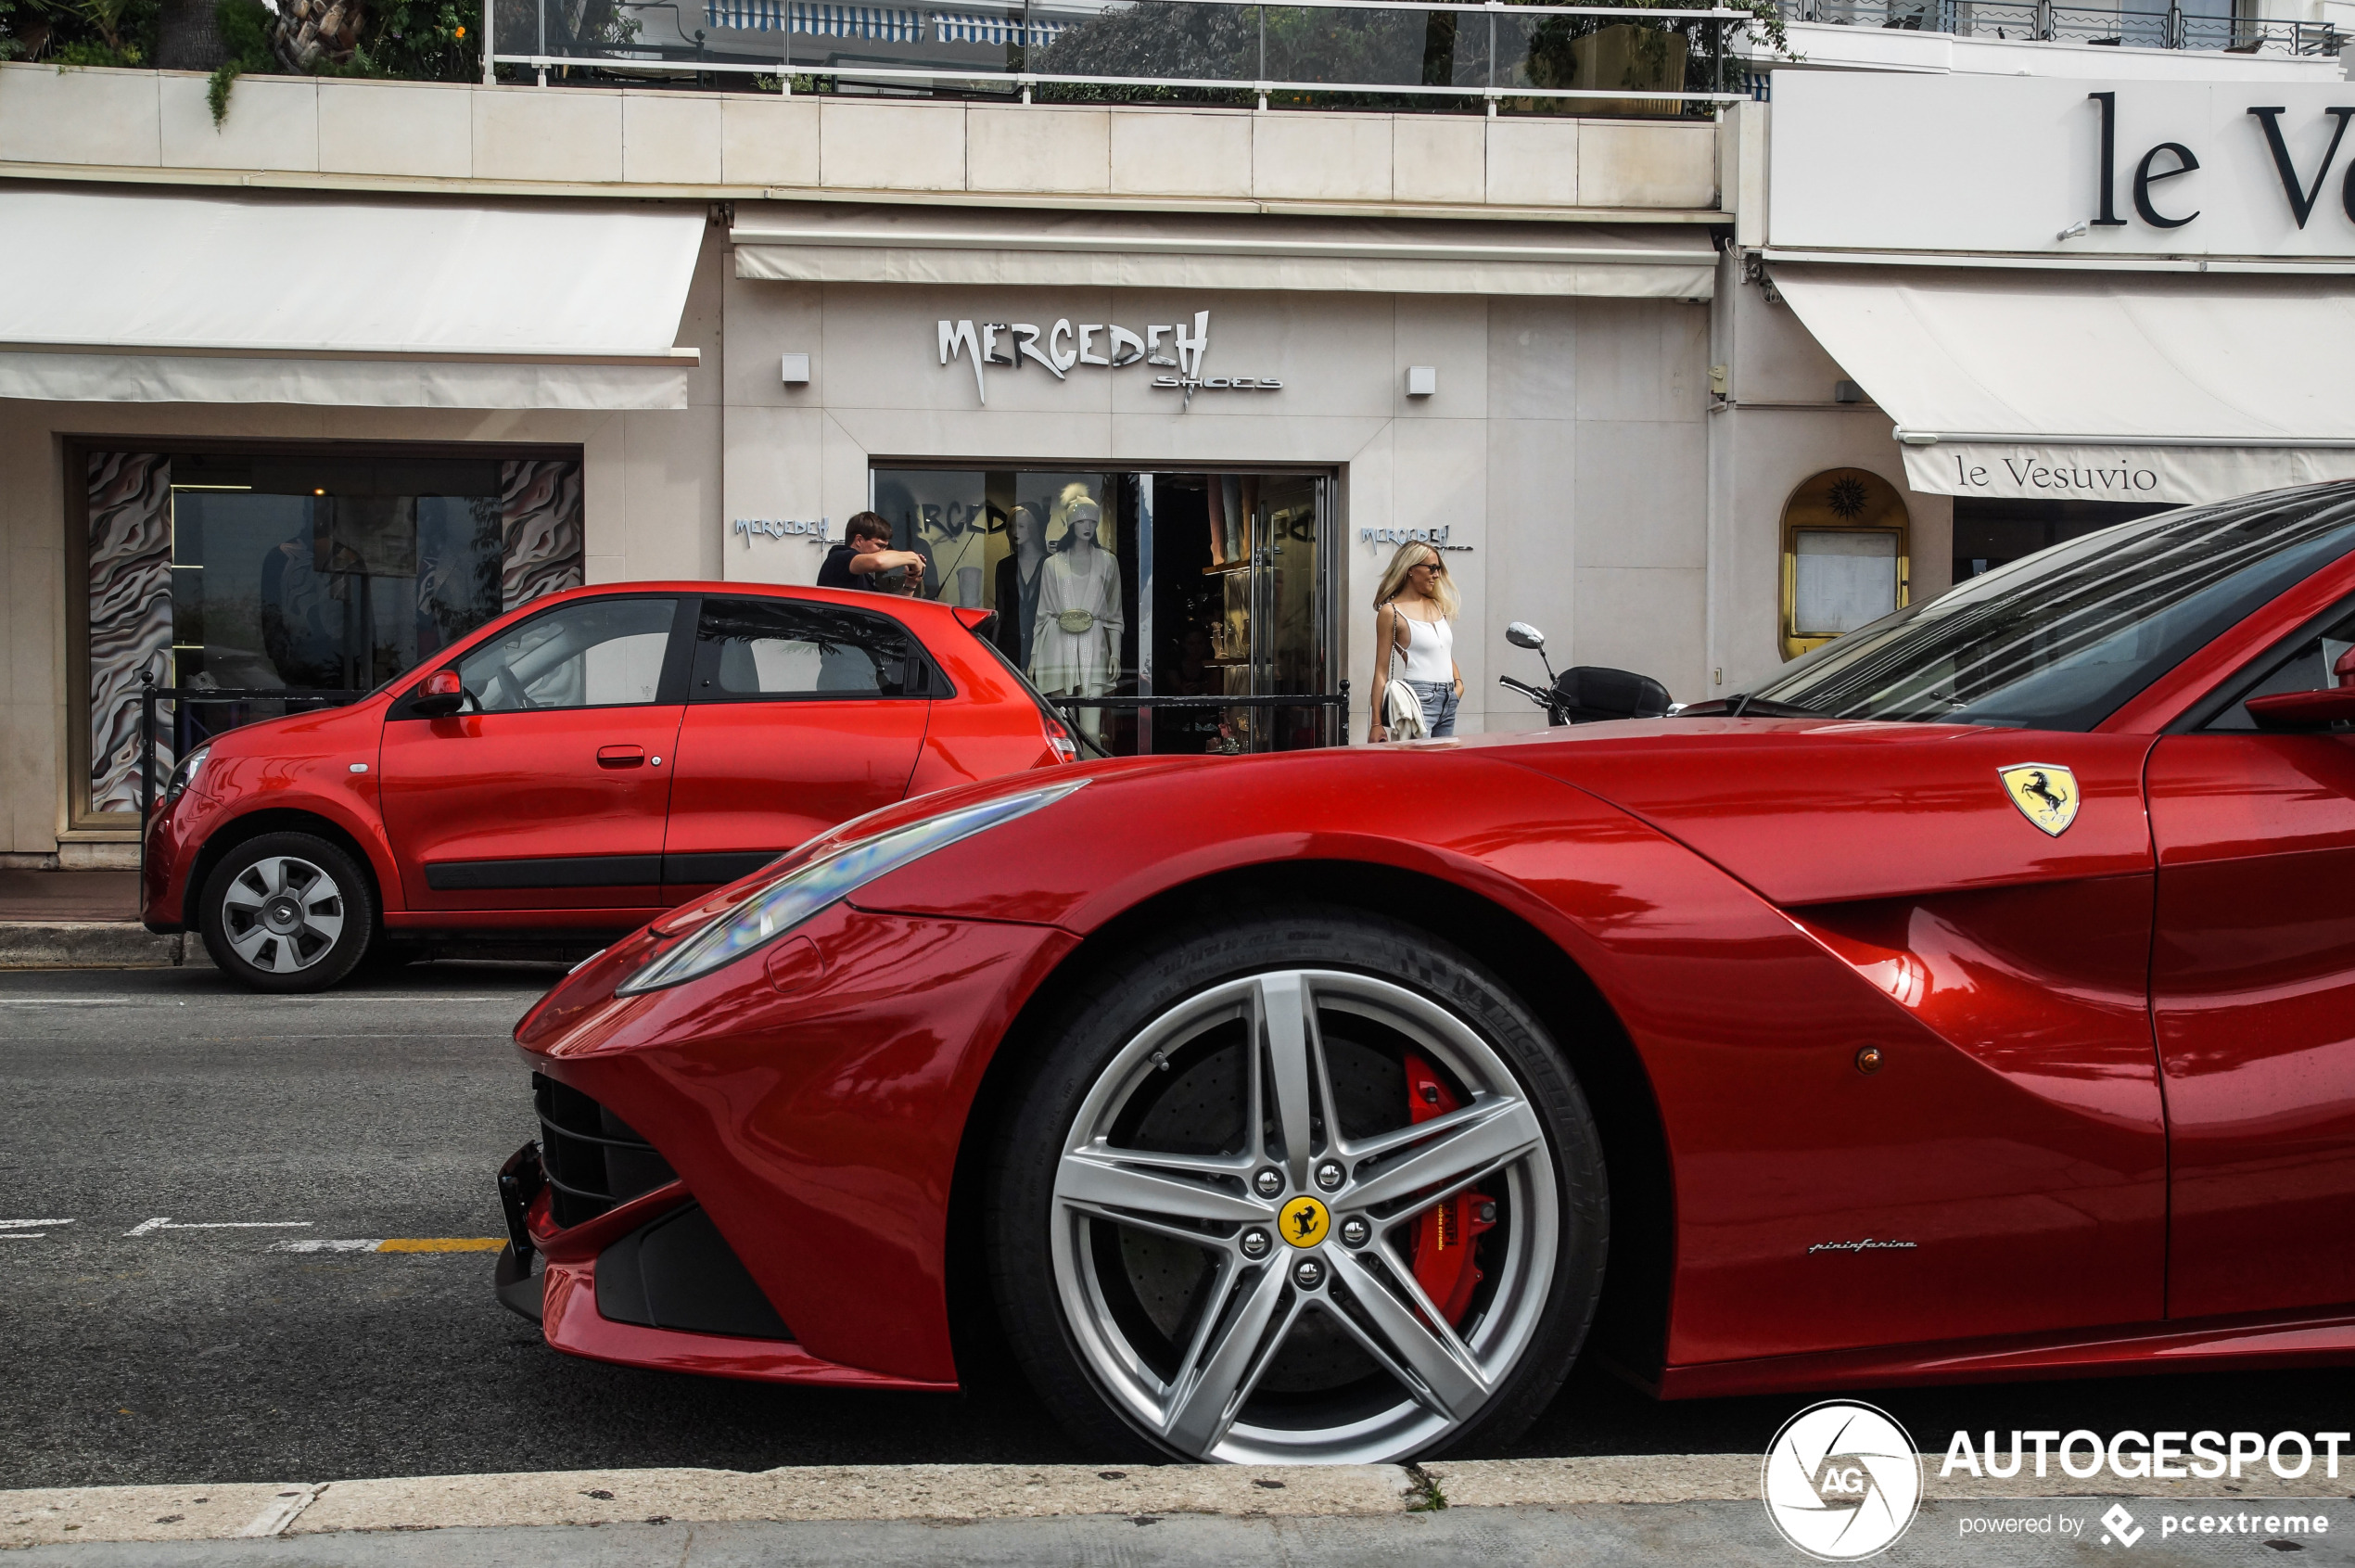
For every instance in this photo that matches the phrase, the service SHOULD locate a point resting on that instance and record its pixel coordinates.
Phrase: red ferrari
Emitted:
(575, 767)
(1974, 1001)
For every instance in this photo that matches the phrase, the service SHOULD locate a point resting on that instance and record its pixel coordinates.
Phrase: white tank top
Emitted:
(1427, 651)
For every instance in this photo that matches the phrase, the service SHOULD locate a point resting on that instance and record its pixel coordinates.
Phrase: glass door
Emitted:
(1239, 597)
(1135, 586)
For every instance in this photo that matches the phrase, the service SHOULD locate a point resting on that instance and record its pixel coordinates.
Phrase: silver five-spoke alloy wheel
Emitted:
(281, 913)
(1248, 1292)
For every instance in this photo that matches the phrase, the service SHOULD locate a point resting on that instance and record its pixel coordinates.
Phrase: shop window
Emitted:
(297, 572)
(1845, 556)
(1144, 585)
(1992, 531)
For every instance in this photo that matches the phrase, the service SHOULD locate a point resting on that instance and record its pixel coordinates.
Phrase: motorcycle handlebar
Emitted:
(1534, 693)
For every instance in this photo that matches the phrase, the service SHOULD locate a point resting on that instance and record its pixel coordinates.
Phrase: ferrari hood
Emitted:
(1809, 811)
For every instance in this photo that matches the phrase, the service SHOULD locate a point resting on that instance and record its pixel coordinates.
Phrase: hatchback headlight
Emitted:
(775, 909)
(185, 775)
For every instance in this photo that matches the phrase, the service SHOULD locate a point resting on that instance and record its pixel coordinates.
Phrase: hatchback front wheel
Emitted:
(288, 911)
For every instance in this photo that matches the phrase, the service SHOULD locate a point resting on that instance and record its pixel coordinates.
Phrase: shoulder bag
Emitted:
(1402, 710)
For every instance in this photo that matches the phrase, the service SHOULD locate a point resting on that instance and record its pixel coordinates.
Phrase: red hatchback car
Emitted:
(573, 769)
(1974, 1001)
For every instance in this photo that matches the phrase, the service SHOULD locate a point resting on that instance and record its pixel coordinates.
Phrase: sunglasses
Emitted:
(1428, 566)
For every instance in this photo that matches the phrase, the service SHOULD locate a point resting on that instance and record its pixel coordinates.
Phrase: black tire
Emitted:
(279, 874)
(1091, 1031)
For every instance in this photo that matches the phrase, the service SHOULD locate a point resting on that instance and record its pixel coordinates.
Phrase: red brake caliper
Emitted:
(1443, 1237)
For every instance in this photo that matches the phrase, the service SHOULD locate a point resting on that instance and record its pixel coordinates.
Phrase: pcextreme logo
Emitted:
(1841, 1481)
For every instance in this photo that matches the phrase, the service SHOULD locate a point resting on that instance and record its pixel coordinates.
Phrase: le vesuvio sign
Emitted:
(2076, 170)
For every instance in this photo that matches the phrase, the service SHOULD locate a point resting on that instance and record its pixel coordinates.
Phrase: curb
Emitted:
(949, 1493)
(87, 944)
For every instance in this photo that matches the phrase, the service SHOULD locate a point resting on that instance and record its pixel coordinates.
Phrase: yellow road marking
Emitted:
(442, 1243)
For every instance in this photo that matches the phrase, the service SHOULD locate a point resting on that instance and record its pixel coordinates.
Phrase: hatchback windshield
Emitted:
(2060, 639)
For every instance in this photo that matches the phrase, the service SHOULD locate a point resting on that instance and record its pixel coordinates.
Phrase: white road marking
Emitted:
(31, 1223)
(23, 1235)
(144, 1226)
(317, 1243)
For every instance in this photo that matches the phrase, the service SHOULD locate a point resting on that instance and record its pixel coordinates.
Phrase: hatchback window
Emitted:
(751, 650)
(2061, 639)
(597, 653)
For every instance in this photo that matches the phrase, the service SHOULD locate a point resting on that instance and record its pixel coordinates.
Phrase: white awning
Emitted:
(2094, 386)
(134, 297)
(1064, 250)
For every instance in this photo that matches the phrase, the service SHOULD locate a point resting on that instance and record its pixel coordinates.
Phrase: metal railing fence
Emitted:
(2201, 24)
(1661, 59)
(187, 734)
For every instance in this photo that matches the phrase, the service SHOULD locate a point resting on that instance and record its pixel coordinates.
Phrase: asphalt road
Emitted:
(185, 1353)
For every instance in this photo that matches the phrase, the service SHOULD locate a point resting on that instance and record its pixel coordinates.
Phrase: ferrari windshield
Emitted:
(2060, 639)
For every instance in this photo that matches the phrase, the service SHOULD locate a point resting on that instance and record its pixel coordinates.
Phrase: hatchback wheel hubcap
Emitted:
(1391, 1149)
(281, 913)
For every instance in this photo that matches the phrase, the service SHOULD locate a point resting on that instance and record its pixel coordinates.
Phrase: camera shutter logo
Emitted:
(1841, 1481)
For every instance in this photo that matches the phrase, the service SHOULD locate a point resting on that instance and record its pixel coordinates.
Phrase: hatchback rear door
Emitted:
(801, 714)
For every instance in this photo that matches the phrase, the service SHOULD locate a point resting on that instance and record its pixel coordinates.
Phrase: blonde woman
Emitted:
(1412, 609)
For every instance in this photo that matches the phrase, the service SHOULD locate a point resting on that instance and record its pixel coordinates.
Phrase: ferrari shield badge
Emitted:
(2045, 794)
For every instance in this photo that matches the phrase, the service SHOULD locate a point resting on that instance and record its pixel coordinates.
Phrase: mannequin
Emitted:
(1075, 647)
(1017, 599)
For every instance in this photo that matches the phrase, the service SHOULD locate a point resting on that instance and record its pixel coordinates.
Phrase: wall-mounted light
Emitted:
(2075, 231)
(1422, 380)
(797, 370)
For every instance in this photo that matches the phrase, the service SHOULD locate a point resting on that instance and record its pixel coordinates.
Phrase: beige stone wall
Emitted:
(299, 131)
(1780, 427)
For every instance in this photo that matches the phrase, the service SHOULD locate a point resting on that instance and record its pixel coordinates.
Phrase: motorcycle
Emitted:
(1584, 694)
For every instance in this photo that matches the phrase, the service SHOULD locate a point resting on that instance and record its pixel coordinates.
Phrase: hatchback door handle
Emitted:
(621, 756)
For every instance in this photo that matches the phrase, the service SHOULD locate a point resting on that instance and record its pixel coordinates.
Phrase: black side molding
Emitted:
(555, 871)
(711, 870)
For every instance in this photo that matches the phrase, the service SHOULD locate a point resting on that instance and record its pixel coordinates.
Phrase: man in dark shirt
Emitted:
(866, 555)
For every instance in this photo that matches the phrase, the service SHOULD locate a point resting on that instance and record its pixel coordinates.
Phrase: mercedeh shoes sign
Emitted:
(1062, 347)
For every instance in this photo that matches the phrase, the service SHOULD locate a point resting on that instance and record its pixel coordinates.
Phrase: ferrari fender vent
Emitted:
(679, 1273)
(592, 1158)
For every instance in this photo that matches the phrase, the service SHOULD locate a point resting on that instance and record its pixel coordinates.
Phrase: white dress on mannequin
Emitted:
(1080, 664)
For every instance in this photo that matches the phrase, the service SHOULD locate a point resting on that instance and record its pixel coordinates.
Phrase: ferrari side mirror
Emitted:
(2304, 710)
(440, 696)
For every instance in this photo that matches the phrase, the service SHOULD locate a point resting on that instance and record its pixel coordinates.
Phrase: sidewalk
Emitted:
(1601, 1509)
(79, 920)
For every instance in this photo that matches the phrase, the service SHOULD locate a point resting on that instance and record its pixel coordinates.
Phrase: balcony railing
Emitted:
(1664, 59)
(2190, 24)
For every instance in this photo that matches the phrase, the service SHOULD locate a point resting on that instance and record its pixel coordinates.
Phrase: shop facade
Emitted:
(2113, 297)
(1170, 437)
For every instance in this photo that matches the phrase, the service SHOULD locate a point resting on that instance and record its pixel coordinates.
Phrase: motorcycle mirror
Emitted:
(1520, 635)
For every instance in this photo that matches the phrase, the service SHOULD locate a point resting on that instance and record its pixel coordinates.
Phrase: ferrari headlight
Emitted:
(776, 909)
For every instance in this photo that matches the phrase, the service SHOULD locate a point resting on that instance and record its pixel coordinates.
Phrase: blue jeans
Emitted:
(1439, 706)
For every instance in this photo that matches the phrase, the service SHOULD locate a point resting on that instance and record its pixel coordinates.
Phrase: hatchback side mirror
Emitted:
(441, 695)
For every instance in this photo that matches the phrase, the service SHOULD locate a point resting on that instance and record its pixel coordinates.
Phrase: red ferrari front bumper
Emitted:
(769, 1148)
